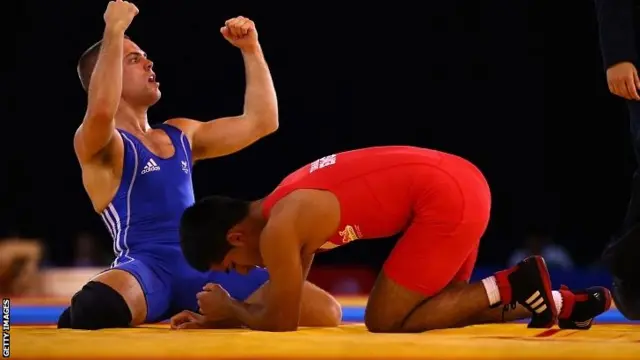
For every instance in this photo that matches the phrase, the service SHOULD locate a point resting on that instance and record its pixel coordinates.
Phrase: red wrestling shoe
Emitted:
(528, 283)
(581, 306)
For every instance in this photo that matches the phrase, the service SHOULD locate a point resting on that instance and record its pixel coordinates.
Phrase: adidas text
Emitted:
(151, 166)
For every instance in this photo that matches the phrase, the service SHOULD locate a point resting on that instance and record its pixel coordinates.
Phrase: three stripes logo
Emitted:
(151, 166)
(536, 302)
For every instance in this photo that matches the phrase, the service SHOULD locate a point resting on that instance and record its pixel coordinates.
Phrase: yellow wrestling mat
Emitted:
(505, 341)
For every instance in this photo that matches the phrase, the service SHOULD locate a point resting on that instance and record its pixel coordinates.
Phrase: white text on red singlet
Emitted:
(322, 162)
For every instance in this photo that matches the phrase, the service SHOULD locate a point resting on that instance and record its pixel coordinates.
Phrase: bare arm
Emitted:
(104, 93)
(280, 248)
(256, 305)
(230, 134)
(617, 33)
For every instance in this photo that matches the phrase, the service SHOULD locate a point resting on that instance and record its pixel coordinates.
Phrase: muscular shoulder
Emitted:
(105, 156)
(187, 126)
(313, 212)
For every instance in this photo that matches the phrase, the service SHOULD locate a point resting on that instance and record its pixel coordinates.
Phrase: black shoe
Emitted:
(579, 307)
(528, 283)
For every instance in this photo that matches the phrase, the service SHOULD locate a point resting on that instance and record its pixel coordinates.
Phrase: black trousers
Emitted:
(622, 254)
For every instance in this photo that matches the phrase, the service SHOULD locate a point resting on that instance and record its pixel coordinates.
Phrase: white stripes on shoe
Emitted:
(536, 302)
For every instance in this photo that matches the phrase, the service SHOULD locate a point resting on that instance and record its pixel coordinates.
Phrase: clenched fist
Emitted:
(214, 302)
(240, 32)
(119, 15)
(623, 80)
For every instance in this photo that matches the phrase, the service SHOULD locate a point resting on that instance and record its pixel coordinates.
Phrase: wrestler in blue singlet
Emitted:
(143, 219)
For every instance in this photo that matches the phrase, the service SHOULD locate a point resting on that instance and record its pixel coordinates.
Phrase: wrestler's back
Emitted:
(375, 186)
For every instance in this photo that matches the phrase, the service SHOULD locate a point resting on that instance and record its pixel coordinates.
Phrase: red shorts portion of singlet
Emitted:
(449, 217)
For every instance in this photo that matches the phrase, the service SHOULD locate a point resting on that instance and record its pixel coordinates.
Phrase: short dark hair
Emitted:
(204, 227)
(87, 63)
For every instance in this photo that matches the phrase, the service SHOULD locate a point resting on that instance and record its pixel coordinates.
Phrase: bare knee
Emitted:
(330, 315)
(377, 325)
(319, 308)
(378, 322)
(389, 305)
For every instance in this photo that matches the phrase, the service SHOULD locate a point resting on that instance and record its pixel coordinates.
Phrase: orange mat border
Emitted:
(266, 358)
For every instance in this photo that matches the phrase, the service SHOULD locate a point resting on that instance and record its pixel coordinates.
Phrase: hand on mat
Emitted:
(214, 302)
(623, 80)
(241, 33)
(187, 320)
(119, 15)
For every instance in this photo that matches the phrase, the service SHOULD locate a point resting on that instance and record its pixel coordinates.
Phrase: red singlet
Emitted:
(440, 201)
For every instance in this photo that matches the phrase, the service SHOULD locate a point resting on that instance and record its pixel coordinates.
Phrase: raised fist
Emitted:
(119, 15)
(240, 32)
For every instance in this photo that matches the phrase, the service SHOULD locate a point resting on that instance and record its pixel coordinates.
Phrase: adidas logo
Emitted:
(536, 302)
(151, 166)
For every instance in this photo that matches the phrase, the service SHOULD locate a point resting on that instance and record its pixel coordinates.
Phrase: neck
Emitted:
(255, 213)
(132, 118)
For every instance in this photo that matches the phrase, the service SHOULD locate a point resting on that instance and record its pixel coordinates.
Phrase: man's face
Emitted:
(139, 84)
(244, 256)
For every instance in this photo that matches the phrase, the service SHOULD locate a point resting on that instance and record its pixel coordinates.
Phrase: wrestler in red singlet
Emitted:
(439, 202)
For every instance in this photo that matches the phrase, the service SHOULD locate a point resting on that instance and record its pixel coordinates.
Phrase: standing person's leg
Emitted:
(622, 254)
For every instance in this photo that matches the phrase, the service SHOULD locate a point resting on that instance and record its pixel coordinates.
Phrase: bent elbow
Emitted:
(270, 125)
(264, 123)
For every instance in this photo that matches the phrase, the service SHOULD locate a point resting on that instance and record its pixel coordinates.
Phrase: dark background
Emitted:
(471, 78)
